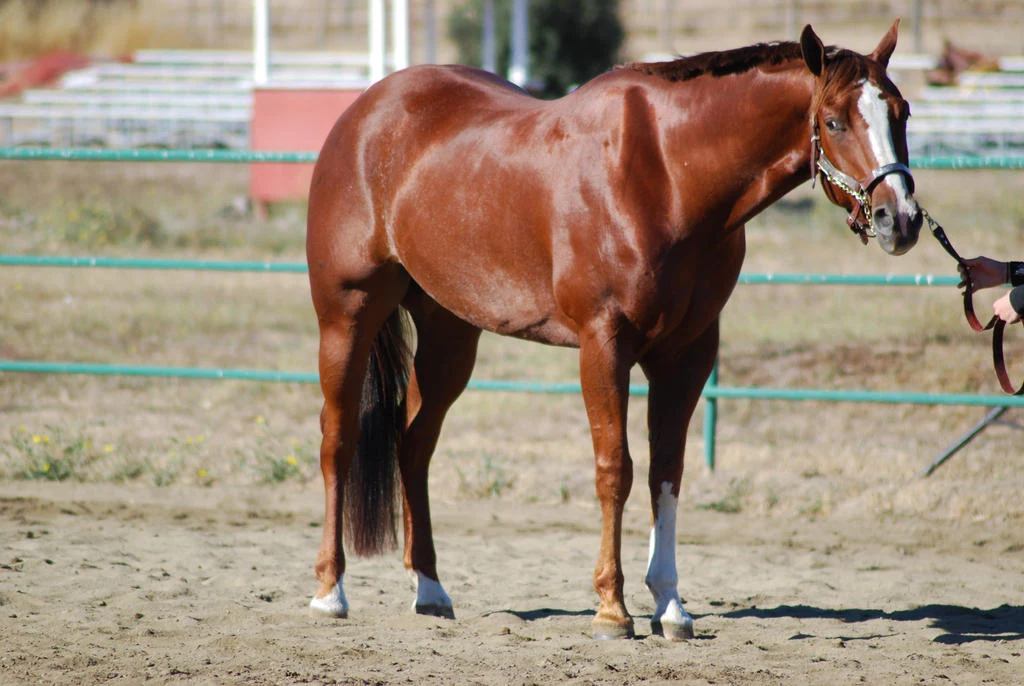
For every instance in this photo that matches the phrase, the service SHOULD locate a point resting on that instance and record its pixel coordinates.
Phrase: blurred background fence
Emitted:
(179, 73)
(674, 26)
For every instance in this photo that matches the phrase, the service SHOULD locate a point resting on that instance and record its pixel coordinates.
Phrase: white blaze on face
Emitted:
(875, 111)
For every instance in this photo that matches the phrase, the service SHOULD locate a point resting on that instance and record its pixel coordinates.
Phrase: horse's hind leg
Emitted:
(676, 376)
(349, 321)
(445, 355)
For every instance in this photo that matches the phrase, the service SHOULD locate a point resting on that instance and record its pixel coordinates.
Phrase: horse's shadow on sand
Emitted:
(959, 624)
(543, 613)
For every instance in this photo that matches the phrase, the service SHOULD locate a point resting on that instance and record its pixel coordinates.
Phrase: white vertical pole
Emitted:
(400, 33)
(489, 62)
(518, 71)
(260, 41)
(430, 29)
(918, 16)
(376, 40)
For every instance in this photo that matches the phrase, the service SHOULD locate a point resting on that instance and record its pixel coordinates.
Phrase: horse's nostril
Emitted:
(917, 218)
(883, 220)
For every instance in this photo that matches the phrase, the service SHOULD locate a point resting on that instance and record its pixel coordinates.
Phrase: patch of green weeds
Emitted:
(276, 460)
(489, 481)
(98, 223)
(732, 501)
(49, 455)
(166, 471)
(815, 509)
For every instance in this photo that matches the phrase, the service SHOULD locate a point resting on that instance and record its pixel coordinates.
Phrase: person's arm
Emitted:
(984, 272)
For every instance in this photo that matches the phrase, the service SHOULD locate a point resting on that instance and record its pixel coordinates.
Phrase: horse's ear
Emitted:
(813, 50)
(886, 46)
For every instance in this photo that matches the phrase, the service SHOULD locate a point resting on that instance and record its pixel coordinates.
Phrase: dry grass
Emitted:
(808, 459)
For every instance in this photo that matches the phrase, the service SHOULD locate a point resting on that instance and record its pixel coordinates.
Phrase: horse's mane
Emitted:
(725, 62)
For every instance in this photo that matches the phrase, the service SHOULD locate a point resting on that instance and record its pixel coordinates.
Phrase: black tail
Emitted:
(371, 491)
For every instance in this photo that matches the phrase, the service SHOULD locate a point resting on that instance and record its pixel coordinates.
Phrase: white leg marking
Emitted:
(662, 578)
(430, 595)
(333, 604)
(875, 112)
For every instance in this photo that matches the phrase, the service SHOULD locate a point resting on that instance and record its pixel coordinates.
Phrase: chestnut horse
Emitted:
(611, 220)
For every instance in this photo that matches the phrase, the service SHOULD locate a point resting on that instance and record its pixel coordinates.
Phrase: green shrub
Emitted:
(571, 41)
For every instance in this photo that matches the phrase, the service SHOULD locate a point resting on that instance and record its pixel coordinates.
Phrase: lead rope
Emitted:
(996, 324)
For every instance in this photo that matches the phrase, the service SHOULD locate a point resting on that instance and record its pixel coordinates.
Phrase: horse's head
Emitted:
(859, 141)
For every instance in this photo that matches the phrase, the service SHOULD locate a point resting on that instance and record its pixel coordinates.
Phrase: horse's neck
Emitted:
(765, 119)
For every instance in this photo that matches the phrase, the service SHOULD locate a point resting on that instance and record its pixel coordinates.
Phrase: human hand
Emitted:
(982, 272)
(1004, 310)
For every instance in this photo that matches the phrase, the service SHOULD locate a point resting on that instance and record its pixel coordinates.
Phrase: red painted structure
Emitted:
(293, 119)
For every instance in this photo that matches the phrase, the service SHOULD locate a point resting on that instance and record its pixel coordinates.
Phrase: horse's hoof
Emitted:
(672, 631)
(317, 608)
(608, 631)
(443, 611)
(331, 605)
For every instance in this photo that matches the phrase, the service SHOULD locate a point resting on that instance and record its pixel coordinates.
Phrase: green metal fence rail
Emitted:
(135, 263)
(712, 391)
(244, 156)
(781, 279)
(152, 155)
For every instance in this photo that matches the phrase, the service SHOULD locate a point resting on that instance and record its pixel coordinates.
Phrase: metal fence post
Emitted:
(710, 419)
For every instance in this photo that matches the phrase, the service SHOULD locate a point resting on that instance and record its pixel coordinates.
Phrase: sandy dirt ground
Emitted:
(102, 582)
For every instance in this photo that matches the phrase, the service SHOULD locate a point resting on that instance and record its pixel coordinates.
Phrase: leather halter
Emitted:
(861, 220)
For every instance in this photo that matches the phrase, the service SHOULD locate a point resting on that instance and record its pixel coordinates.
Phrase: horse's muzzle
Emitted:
(897, 225)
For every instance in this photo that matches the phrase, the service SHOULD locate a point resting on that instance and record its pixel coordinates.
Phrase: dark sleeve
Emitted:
(1015, 272)
(1017, 300)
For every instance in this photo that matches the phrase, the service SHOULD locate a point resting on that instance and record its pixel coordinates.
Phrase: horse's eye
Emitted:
(833, 125)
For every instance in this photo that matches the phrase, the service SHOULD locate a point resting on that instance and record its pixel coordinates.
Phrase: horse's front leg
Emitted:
(676, 376)
(604, 376)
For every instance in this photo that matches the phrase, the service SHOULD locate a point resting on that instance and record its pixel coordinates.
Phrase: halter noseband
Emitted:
(861, 220)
